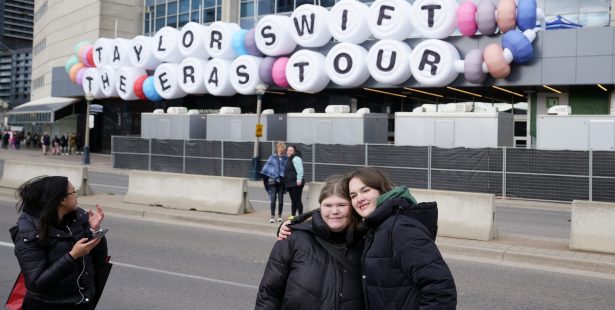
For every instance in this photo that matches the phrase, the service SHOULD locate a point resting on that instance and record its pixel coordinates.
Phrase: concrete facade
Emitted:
(65, 23)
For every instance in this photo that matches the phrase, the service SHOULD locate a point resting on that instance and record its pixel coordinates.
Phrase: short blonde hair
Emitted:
(279, 145)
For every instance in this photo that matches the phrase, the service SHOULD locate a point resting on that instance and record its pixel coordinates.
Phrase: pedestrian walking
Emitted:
(17, 139)
(55, 145)
(64, 144)
(56, 246)
(72, 144)
(46, 143)
(293, 176)
(318, 266)
(402, 265)
(5, 139)
(273, 175)
(28, 139)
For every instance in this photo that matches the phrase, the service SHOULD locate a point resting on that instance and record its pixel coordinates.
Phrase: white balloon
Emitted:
(192, 40)
(348, 21)
(125, 80)
(346, 64)
(91, 83)
(244, 74)
(166, 81)
(435, 19)
(166, 45)
(273, 35)
(107, 76)
(219, 44)
(433, 63)
(310, 25)
(103, 48)
(390, 19)
(142, 53)
(388, 62)
(305, 71)
(120, 53)
(192, 75)
(217, 78)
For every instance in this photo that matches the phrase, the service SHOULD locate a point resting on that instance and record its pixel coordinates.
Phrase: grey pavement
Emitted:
(520, 250)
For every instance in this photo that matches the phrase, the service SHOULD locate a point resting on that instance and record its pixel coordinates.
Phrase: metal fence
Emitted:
(506, 172)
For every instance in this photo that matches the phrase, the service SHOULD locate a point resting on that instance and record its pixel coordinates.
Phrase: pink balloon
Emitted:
(278, 72)
(79, 77)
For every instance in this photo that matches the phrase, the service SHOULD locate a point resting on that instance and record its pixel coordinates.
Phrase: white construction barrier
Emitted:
(17, 172)
(189, 192)
(592, 226)
(460, 214)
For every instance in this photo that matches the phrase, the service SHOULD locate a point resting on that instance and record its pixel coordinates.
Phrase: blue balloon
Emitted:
(149, 90)
(526, 14)
(519, 45)
(238, 42)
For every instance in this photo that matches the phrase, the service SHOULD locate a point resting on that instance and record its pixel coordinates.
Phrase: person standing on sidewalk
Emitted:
(64, 144)
(273, 171)
(56, 247)
(72, 144)
(293, 175)
(318, 266)
(46, 143)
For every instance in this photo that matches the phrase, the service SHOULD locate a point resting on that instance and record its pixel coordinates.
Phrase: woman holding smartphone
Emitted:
(56, 245)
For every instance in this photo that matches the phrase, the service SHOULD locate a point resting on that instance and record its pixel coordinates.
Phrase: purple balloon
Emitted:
(250, 44)
(79, 76)
(264, 70)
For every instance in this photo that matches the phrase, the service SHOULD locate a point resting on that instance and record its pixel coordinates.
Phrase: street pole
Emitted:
(260, 91)
(86, 145)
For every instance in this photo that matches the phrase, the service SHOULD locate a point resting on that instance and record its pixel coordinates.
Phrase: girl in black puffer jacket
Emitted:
(52, 247)
(302, 274)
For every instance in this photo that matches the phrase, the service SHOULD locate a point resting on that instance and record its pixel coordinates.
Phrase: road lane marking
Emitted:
(112, 186)
(171, 273)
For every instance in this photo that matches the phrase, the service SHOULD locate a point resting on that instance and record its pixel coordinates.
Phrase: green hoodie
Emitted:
(397, 192)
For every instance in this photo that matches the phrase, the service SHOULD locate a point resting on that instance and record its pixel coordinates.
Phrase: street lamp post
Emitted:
(86, 145)
(260, 91)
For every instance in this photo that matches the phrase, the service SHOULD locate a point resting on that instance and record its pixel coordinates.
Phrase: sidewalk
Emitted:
(511, 250)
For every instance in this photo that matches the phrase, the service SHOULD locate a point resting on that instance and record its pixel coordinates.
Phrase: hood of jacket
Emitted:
(399, 202)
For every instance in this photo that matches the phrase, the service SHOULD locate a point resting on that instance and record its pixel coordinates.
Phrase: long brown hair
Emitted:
(374, 178)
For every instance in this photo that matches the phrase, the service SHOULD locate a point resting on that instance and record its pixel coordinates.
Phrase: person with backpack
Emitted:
(318, 266)
(293, 179)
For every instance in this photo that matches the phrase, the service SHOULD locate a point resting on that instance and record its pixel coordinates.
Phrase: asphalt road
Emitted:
(167, 266)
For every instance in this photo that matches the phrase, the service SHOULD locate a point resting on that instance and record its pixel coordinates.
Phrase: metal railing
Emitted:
(507, 172)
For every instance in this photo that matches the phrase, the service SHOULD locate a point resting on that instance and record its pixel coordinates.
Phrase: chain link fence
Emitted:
(507, 172)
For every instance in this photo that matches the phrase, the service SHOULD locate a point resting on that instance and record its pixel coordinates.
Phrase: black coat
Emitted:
(51, 275)
(403, 267)
(290, 173)
(302, 275)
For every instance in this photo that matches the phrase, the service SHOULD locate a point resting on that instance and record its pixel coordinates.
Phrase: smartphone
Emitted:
(100, 234)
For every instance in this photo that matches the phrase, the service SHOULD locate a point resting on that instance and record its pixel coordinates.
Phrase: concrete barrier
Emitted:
(592, 226)
(460, 214)
(17, 172)
(189, 192)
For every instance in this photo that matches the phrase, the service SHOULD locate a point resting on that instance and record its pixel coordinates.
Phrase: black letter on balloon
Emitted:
(305, 24)
(433, 62)
(138, 51)
(89, 78)
(116, 53)
(268, 35)
(301, 65)
(122, 84)
(391, 61)
(382, 16)
(431, 12)
(344, 19)
(188, 73)
(216, 37)
(99, 51)
(160, 48)
(242, 74)
(105, 80)
(163, 81)
(213, 77)
(336, 63)
(188, 35)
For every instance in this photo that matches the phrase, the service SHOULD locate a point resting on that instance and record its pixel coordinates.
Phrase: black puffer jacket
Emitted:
(51, 274)
(302, 275)
(403, 267)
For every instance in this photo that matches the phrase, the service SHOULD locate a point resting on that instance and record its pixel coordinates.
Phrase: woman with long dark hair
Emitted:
(56, 247)
(293, 176)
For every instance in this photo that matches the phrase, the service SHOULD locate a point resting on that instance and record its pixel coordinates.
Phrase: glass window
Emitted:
(184, 6)
(284, 6)
(195, 17)
(594, 19)
(183, 19)
(266, 7)
(247, 9)
(219, 13)
(327, 3)
(561, 7)
(594, 6)
(172, 8)
(210, 16)
(210, 3)
(301, 2)
(196, 4)
(160, 10)
(159, 23)
(172, 21)
(247, 23)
